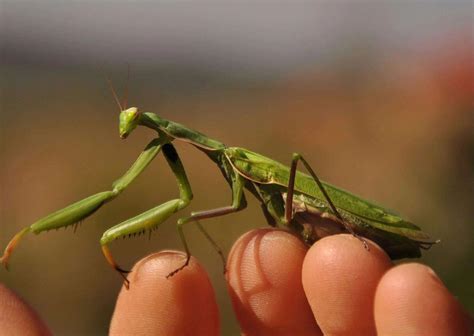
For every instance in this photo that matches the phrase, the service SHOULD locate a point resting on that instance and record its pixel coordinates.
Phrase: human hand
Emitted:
(277, 287)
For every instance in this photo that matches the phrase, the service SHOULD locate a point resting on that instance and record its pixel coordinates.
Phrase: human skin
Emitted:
(278, 287)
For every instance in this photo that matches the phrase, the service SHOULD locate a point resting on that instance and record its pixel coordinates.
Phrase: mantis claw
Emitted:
(11, 246)
(366, 245)
(123, 274)
(4, 262)
(186, 263)
(364, 242)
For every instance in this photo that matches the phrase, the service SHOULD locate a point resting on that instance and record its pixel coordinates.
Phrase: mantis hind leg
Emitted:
(291, 187)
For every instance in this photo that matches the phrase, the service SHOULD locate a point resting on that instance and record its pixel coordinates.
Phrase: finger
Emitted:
(17, 317)
(264, 282)
(340, 277)
(412, 300)
(183, 304)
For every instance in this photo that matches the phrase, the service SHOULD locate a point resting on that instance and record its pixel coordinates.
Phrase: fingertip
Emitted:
(17, 317)
(158, 305)
(339, 278)
(411, 299)
(264, 282)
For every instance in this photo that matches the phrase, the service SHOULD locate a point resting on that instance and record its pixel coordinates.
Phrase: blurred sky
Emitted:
(251, 36)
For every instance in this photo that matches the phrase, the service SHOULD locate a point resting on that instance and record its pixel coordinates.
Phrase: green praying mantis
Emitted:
(304, 204)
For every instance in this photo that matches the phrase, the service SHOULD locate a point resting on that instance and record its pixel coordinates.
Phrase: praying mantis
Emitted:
(302, 203)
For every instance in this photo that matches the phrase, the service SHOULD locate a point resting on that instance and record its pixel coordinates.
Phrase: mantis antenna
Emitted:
(114, 93)
(125, 100)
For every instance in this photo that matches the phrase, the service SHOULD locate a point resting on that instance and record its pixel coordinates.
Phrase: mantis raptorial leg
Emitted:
(86, 207)
(155, 216)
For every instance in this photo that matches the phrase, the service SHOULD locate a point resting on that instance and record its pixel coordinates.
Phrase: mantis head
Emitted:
(129, 117)
(128, 121)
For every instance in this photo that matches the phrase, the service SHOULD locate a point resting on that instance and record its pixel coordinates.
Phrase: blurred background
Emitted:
(379, 97)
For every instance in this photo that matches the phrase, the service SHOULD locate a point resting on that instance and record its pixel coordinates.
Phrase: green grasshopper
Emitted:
(309, 207)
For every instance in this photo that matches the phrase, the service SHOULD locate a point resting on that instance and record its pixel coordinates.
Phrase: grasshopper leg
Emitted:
(291, 187)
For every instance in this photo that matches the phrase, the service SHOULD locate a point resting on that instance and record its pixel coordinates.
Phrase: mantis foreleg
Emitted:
(155, 216)
(86, 207)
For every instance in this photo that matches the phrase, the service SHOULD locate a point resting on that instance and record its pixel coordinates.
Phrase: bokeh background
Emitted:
(378, 96)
